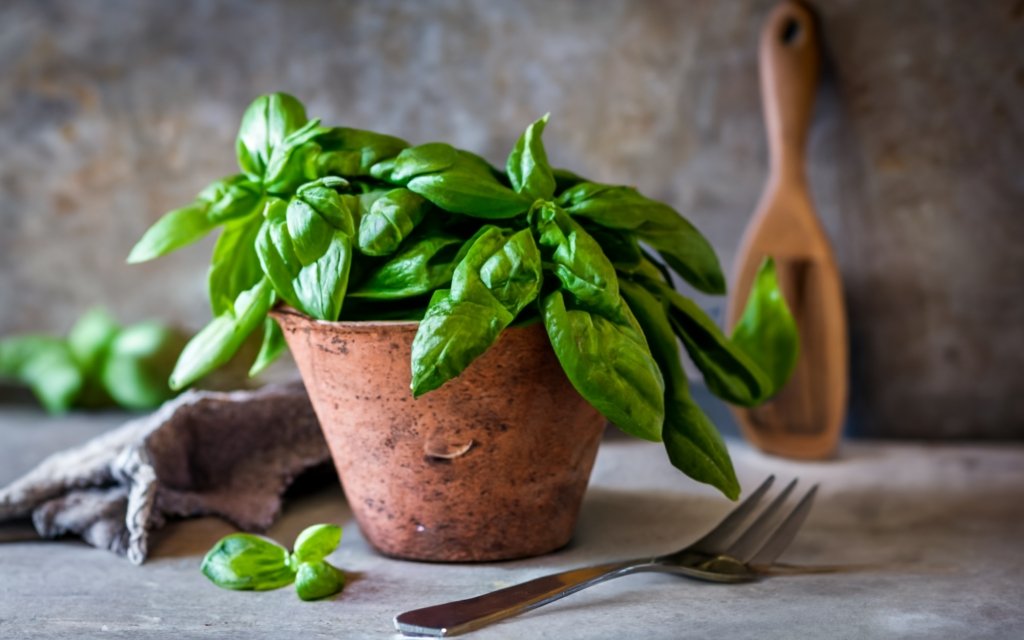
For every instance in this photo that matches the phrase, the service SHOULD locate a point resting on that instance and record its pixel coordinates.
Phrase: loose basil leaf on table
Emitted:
(679, 243)
(319, 579)
(265, 124)
(609, 363)
(47, 366)
(527, 165)
(220, 339)
(134, 371)
(317, 542)
(499, 275)
(90, 338)
(246, 562)
(692, 442)
(420, 268)
(390, 220)
(271, 348)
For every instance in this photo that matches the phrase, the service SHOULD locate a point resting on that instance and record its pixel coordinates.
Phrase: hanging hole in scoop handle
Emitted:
(790, 64)
(790, 31)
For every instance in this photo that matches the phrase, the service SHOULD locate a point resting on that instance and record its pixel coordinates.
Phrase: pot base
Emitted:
(491, 466)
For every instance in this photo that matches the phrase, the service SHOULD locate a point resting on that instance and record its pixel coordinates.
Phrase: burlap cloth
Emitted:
(204, 453)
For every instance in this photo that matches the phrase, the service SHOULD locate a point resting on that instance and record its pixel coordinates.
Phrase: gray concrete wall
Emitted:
(112, 112)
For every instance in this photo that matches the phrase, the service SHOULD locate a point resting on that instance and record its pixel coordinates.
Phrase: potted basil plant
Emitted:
(464, 331)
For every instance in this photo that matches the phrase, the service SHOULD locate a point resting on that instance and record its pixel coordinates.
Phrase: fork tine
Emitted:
(784, 534)
(753, 538)
(714, 541)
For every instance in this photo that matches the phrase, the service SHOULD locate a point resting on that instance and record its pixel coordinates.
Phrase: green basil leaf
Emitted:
(15, 351)
(565, 179)
(527, 165)
(451, 335)
(172, 231)
(322, 196)
(679, 243)
(621, 247)
(368, 197)
(138, 363)
(90, 339)
(470, 193)
(767, 332)
(499, 275)
(221, 338)
(293, 162)
(46, 366)
(265, 124)
(417, 161)
(576, 259)
(420, 268)
(728, 371)
(353, 152)
(317, 542)
(693, 444)
(317, 580)
(247, 562)
(234, 266)
(231, 198)
(609, 364)
(314, 285)
(310, 233)
(320, 286)
(456, 181)
(389, 221)
(271, 348)
(277, 253)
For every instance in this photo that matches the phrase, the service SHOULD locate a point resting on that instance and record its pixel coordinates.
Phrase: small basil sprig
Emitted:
(99, 364)
(246, 562)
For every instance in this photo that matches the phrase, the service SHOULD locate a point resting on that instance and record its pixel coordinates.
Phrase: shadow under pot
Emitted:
(491, 466)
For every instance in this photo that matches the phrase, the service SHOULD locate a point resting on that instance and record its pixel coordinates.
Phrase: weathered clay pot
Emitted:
(491, 466)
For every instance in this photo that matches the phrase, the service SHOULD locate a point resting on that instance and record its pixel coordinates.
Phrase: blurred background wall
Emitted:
(113, 111)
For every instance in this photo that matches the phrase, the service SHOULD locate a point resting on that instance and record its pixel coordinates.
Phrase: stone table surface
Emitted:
(931, 538)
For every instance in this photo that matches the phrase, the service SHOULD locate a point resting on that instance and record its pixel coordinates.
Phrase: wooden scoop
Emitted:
(805, 419)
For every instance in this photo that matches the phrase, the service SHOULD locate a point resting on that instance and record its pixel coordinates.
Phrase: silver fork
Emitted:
(727, 554)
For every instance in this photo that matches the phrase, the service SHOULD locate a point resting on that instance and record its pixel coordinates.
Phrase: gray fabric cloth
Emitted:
(204, 453)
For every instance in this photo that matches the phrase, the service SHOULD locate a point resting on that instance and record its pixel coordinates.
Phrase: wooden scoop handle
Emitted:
(790, 64)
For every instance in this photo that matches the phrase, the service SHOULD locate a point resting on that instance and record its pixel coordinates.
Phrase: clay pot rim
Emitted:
(354, 326)
(284, 311)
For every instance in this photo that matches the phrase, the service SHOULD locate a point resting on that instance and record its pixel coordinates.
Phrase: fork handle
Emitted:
(457, 617)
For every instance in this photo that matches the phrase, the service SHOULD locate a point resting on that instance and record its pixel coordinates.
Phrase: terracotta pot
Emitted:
(491, 466)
